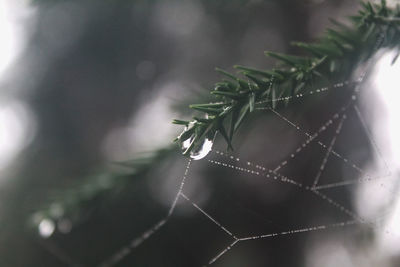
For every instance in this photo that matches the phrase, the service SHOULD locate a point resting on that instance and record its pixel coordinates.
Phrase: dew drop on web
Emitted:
(187, 142)
(199, 152)
(202, 150)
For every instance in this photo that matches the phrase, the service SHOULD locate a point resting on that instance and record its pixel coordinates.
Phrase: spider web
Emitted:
(316, 187)
(242, 172)
(237, 164)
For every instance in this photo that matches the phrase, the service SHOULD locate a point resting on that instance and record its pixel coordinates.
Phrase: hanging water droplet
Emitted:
(185, 144)
(197, 152)
(46, 228)
(202, 150)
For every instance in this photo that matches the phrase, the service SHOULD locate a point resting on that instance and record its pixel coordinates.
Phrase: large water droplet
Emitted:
(197, 152)
(202, 150)
(186, 144)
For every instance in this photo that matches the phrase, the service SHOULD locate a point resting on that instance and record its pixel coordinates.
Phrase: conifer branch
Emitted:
(333, 57)
(72, 202)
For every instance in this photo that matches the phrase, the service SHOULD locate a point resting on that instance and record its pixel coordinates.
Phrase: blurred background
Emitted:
(86, 84)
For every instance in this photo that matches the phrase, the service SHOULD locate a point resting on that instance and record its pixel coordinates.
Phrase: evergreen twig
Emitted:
(333, 57)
